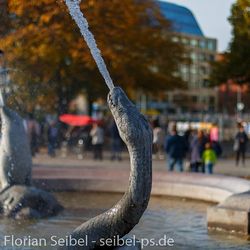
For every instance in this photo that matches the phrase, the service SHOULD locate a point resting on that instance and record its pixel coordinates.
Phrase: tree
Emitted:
(54, 62)
(237, 60)
(4, 17)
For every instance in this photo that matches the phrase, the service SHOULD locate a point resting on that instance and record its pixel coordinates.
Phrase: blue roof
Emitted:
(183, 20)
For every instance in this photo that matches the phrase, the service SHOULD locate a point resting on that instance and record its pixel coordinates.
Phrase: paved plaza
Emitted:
(72, 162)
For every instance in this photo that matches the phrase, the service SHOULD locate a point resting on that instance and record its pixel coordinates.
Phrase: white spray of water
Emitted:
(1, 98)
(77, 15)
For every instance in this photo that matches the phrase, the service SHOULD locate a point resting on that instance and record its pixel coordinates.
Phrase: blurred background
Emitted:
(182, 62)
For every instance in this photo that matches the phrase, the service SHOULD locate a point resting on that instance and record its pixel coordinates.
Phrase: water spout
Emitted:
(1, 98)
(82, 23)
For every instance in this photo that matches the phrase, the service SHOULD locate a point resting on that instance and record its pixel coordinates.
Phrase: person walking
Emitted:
(195, 153)
(97, 135)
(209, 158)
(240, 145)
(33, 131)
(176, 149)
(52, 138)
(214, 133)
(158, 141)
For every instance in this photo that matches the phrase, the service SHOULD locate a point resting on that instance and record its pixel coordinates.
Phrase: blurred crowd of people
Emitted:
(54, 135)
(199, 149)
(41, 134)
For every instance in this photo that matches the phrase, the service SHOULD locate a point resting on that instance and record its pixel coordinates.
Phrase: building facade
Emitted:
(201, 51)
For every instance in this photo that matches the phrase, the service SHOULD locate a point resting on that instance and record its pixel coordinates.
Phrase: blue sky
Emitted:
(212, 17)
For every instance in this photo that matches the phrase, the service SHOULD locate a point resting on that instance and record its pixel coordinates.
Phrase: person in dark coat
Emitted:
(176, 149)
(216, 146)
(241, 140)
(52, 138)
(195, 153)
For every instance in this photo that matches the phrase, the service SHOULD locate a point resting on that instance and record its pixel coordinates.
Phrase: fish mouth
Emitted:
(114, 96)
(110, 101)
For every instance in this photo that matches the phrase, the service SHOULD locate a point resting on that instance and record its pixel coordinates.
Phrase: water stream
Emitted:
(82, 23)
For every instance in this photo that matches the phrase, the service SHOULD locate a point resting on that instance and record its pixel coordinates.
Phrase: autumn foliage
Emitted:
(236, 61)
(54, 63)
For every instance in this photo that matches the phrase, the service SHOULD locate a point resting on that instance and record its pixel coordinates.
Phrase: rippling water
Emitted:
(182, 220)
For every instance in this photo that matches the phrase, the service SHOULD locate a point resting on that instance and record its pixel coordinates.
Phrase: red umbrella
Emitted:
(77, 120)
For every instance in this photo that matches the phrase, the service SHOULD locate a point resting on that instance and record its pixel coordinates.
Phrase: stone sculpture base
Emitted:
(23, 202)
(231, 215)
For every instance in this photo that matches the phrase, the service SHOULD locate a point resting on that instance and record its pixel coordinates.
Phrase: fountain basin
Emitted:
(208, 188)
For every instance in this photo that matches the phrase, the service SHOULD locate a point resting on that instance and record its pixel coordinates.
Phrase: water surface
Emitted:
(183, 221)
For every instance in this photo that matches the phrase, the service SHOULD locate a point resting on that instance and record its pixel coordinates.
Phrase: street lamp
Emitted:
(239, 105)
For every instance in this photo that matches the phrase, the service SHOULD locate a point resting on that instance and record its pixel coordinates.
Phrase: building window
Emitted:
(194, 98)
(202, 44)
(193, 80)
(175, 39)
(185, 41)
(184, 69)
(211, 45)
(207, 58)
(204, 70)
(205, 83)
(202, 57)
(200, 83)
(211, 100)
(193, 56)
(176, 74)
(194, 42)
(211, 58)
(193, 70)
(185, 77)
(203, 99)
(153, 69)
